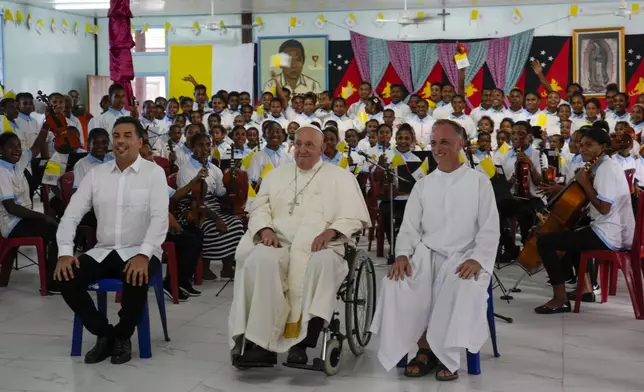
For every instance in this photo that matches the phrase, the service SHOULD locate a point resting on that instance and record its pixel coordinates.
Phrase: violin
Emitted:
(197, 214)
(173, 166)
(64, 142)
(522, 173)
(236, 183)
(383, 180)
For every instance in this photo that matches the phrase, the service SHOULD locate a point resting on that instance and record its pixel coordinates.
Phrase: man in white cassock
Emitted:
(436, 291)
(290, 261)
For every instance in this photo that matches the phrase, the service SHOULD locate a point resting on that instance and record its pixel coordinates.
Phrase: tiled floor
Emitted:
(601, 349)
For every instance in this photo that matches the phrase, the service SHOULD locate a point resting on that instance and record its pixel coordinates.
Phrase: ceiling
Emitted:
(201, 7)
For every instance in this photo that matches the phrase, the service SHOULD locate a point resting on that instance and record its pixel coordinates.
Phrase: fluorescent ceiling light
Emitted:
(82, 6)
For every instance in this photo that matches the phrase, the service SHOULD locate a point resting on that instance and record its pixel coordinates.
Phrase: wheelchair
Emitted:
(358, 293)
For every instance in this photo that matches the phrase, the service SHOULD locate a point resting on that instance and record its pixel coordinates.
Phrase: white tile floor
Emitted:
(601, 349)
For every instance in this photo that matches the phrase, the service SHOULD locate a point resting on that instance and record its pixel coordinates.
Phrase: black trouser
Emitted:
(312, 333)
(188, 244)
(385, 213)
(571, 242)
(45, 230)
(132, 303)
(525, 212)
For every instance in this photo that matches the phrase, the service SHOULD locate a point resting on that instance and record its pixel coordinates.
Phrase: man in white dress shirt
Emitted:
(364, 91)
(399, 107)
(444, 107)
(129, 198)
(435, 293)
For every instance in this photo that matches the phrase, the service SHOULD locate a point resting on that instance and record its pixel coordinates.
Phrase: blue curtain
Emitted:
(476, 56)
(520, 45)
(378, 59)
(423, 59)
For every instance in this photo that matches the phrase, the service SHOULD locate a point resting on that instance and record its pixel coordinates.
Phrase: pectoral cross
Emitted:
(293, 204)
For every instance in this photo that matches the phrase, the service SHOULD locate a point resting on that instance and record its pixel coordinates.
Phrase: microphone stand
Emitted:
(391, 175)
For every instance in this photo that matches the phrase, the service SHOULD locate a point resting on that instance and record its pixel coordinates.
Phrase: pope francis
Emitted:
(290, 261)
(435, 295)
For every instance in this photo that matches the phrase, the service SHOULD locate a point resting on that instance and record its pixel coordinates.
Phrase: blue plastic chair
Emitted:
(104, 286)
(474, 360)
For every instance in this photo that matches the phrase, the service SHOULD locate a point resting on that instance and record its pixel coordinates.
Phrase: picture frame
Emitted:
(310, 67)
(599, 59)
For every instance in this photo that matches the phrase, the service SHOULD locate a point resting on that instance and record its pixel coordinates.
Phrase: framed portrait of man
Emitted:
(308, 69)
(599, 59)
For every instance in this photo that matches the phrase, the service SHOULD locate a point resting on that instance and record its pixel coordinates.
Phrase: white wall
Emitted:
(158, 64)
(494, 22)
(48, 61)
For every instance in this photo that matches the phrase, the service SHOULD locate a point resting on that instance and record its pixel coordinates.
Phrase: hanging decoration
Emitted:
(259, 23)
(378, 21)
(76, 28)
(65, 26)
(40, 26)
(53, 25)
(320, 22)
(95, 31)
(196, 28)
(30, 21)
(574, 10)
(516, 16)
(169, 28)
(351, 21)
(146, 27)
(19, 17)
(474, 16)
(294, 21)
(8, 15)
(222, 28)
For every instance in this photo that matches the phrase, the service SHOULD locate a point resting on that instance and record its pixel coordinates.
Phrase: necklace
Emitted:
(294, 202)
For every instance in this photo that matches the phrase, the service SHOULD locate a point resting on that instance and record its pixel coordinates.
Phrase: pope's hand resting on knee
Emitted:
(268, 238)
(400, 269)
(470, 268)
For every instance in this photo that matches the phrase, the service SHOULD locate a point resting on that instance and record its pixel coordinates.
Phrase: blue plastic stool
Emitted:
(115, 285)
(474, 360)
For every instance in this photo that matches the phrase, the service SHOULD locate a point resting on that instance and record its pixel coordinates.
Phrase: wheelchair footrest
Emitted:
(247, 365)
(317, 365)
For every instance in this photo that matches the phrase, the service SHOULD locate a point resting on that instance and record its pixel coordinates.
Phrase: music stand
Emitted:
(430, 159)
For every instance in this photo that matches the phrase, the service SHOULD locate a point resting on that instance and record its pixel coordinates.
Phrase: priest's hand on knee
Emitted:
(470, 268)
(321, 241)
(268, 238)
(136, 270)
(64, 270)
(400, 268)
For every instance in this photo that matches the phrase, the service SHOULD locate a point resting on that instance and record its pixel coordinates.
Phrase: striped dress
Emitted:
(216, 245)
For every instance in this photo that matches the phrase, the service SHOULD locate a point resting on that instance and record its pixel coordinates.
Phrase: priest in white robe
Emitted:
(290, 262)
(435, 295)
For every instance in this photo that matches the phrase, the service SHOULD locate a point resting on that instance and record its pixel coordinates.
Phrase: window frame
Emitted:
(165, 75)
(165, 51)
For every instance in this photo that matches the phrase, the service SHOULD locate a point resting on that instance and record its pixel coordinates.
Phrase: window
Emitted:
(151, 41)
(148, 88)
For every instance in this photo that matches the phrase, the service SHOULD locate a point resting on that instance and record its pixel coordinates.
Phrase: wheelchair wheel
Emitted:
(360, 302)
(333, 354)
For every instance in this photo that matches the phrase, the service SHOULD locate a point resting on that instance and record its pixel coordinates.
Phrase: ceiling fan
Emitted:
(406, 18)
(215, 24)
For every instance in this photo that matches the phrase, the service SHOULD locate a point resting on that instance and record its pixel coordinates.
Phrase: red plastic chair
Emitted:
(170, 249)
(172, 181)
(67, 187)
(164, 163)
(8, 247)
(630, 174)
(629, 262)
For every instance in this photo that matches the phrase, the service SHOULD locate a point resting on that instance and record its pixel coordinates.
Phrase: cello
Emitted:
(236, 183)
(64, 142)
(562, 212)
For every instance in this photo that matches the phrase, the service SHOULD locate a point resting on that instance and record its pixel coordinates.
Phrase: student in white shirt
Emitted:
(17, 217)
(233, 104)
(577, 101)
(355, 159)
(384, 147)
(307, 116)
(219, 107)
(364, 91)
(621, 128)
(483, 147)
(532, 101)
(422, 123)
(253, 139)
(273, 153)
(516, 110)
(218, 135)
(400, 108)
(324, 106)
(262, 110)
(370, 138)
(593, 109)
(444, 107)
(486, 104)
(297, 105)
(637, 119)
(169, 149)
(551, 112)
(97, 142)
(129, 197)
(611, 228)
(331, 154)
(172, 109)
(459, 116)
(621, 103)
(239, 149)
(339, 116)
(157, 130)
(183, 152)
(497, 112)
(276, 114)
(372, 111)
(116, 110)
(389, 118)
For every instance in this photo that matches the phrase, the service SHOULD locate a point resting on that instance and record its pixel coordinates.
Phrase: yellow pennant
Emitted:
(461, 157)
(7, 125)
(541, 120)
(488, 167)
(356, 171)
(267, 169)
(146, 27)
(8, 15)
(216, 154)
(19, 17)
(247, 160)
(504, 148)
(251, 192)
(260, 110)
(397, 160)
(342, 146)
(344, 162)
(168, 26)
(363, 117)
(88, 28)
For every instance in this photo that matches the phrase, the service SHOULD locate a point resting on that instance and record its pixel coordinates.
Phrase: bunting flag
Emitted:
(247, 160)
(40, 26)
(344, 76)
(634, 66)
(65, 26)
(388, 79)
(8, 15)
(53, 25)
(422, 171)
(19, 17)
(397, 160)
(344, 162)
(505, 147)
(487, 166)
(30, 21)
(76, 28)
(554, 55)
(251, 192)
(267, 169)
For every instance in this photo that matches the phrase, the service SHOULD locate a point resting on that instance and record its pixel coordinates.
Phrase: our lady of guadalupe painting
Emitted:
(598, 59)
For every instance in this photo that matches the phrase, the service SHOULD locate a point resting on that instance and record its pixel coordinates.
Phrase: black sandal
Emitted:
(543, 309)
(423, 367)
(442, 368)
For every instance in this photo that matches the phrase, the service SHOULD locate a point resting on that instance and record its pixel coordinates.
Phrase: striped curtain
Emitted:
(423, 60)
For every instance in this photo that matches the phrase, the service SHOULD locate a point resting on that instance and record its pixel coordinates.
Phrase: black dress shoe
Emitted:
(297, 355)
(543, 309)
(101, 350)
(585, 297)
(122, 351)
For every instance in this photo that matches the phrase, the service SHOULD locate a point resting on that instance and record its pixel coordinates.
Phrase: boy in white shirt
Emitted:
(486, 104)
(458, 115)
(364, 91)
(400, 108)
(422, 122)
(444, 107)
(497, 112)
